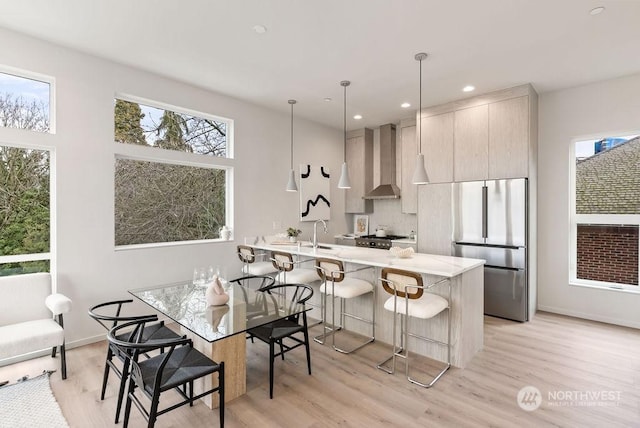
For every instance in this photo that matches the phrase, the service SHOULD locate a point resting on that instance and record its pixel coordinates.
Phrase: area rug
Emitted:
(30, 403)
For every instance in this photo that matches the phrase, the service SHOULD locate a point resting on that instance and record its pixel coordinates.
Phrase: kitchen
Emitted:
(578, 107)
(393, 209)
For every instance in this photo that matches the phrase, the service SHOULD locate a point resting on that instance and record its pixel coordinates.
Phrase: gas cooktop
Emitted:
(373, 241)
(391, 237)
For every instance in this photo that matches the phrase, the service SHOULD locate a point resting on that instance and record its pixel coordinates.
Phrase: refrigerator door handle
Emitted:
(515, 269)
(484, 212)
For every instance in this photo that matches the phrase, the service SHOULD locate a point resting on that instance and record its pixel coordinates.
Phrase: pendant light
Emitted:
(291, 184)
(420, 173)
(345, 182)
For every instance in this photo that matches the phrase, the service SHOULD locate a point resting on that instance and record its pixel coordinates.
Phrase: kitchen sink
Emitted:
(320, 247)
(323, 247)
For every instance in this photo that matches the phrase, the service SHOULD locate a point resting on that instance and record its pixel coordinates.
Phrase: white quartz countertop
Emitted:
(430, 264)
(407, 241)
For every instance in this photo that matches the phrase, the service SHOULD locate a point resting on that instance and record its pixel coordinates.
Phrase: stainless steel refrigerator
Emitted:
(490, 222)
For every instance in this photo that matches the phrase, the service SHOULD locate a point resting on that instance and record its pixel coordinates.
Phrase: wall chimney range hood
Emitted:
(387, 188)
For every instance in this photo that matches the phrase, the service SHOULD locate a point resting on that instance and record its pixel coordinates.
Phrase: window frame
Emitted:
(173, 157)
(40, 78)
(593, 219)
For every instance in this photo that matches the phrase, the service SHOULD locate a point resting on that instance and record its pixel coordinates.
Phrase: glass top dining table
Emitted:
(185, 303)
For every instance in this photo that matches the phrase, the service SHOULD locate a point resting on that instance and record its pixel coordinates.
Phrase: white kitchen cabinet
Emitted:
(359, 156)
(509, 138)
(471, 143)
(435, 225)
(408, 153)
(437, 147)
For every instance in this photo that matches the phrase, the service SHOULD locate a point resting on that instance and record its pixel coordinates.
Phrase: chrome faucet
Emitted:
(315, 232)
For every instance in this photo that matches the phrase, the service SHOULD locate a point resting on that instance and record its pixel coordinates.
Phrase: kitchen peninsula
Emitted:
(467, 294)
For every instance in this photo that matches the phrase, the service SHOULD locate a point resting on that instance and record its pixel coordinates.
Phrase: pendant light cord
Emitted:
(344, 145)
(292, 136)
(420, 112)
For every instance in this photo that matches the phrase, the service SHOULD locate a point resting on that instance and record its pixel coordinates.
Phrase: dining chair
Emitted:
(109, 315)
(292, 272)
(176, 369)
(257, 306)
(290, 328)
(411, 298)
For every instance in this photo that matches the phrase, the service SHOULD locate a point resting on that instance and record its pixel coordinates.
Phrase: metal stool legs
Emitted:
(331, 330)
(403, 352)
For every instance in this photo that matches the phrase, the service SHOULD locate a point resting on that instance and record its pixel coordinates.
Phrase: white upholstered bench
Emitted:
(31, 317)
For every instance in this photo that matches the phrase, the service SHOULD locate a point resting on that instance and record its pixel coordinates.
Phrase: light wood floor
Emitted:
(552, 353)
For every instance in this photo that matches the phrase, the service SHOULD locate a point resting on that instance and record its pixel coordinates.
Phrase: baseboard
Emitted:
(591, 317)
(47, 351)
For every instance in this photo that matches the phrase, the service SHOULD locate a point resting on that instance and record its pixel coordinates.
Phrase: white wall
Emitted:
(89, 269)
(599, 109)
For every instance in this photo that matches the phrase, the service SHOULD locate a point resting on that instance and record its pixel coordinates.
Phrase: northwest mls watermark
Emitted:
(530, 398)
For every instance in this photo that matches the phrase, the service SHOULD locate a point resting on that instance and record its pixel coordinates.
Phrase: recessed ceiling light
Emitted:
(357, 117)
(260, 29)
(468, 88)
(596, 11)
(405, 105)
(328, 99)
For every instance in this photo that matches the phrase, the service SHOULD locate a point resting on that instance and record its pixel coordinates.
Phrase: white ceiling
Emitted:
(310, 46)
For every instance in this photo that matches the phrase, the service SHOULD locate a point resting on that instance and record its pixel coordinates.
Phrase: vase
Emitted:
(293, 239)
(225, 233)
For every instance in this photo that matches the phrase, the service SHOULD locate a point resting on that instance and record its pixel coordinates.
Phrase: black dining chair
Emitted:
(257, 306)
(109, 315)
(176, 368)
(290, 328)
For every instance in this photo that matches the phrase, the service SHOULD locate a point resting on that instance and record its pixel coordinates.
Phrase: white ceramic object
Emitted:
(215, 294)
(225, 233)
(381, 232)
(403, 253)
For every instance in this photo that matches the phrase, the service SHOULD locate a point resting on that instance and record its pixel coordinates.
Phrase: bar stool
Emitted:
(409, 299)
(288, 272)
(336, 284)
(250, 265)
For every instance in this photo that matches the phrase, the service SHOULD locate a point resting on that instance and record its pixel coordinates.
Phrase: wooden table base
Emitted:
(233, 351)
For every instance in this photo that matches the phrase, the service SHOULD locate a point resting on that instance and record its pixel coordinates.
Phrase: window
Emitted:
(605, 218)
(164, 197)
(24, 210)
(158, 202)
(25, 204)
(24, 103)
(141, 124)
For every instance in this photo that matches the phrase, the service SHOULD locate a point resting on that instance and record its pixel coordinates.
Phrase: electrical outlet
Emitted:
(277, 225)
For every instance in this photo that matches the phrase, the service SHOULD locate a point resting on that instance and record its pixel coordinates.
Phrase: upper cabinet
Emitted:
(408, 152)
(437, 147)
(471, 143)
(509, 138)
(360, 161)
(490, 136)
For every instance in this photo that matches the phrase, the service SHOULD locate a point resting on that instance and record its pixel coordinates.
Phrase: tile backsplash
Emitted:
(388, 212)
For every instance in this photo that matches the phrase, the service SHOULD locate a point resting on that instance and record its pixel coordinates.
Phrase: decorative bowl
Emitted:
(403, 253)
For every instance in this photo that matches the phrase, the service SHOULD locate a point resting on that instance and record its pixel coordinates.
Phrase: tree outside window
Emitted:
(145, 125)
